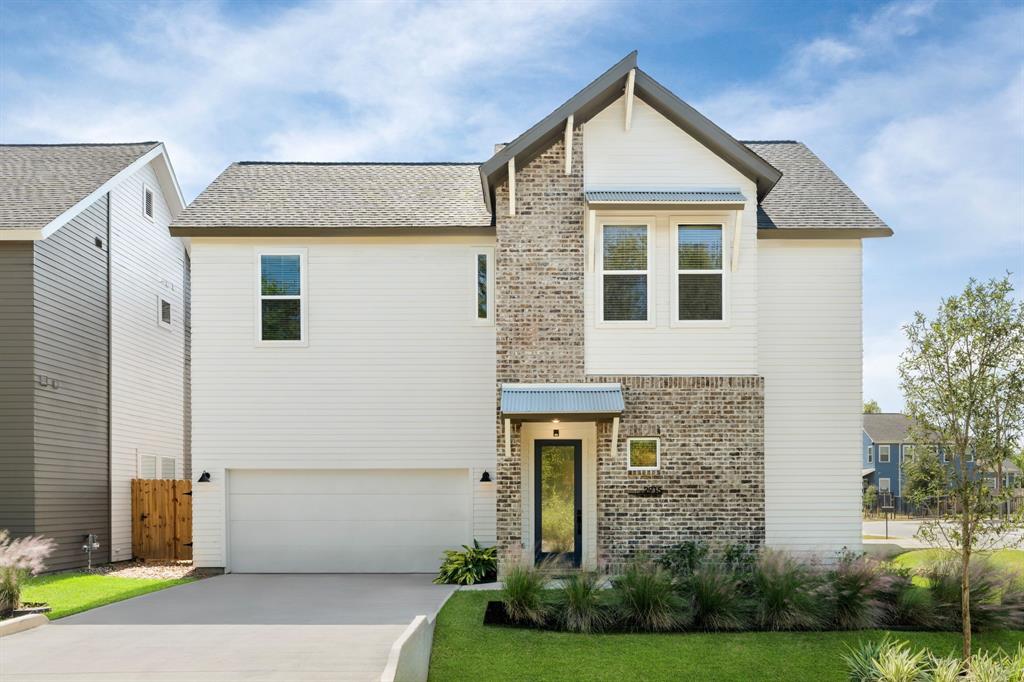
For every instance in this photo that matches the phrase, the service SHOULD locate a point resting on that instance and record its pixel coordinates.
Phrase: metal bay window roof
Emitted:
(525, 401)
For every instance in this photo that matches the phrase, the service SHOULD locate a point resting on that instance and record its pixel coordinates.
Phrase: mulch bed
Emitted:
(160, 570)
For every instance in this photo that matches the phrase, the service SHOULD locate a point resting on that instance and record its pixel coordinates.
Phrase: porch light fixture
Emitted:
(555, 421)
(204, 477)
(486, 478)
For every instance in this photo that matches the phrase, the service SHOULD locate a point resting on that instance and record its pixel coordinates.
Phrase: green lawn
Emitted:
(465, 649)
(69, 593)
(1011, 559)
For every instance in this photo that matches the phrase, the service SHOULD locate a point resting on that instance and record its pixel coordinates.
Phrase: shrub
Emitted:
(579, 605)
(996, 599)
(682, 559)
(645, 599)
(18, 558)
(894, 661)
(472, 565)
(523, 595)
(718, 600)
(854, 585)
(904, 602)
(897, 663)
(787, 593)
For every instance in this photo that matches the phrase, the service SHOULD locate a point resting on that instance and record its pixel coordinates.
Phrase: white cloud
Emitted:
(320, 81)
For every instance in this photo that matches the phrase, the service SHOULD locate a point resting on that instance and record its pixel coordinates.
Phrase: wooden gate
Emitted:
(161, 519)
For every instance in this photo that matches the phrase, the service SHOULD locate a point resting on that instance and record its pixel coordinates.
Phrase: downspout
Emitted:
(110, 423)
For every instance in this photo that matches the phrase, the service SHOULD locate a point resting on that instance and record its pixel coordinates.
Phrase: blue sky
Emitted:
(918, 105)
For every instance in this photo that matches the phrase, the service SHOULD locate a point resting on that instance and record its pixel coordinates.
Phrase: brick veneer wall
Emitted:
(711, 428)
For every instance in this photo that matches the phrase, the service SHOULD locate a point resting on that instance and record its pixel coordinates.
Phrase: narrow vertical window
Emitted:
(483, 286)
(699, 272)
(163, 311)
(147, 202)
(624, 273)
(281, 295)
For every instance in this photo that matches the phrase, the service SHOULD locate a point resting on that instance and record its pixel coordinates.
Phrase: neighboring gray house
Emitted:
(93, 339)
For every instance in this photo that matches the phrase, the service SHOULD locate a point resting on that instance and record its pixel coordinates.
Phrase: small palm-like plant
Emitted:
(787, 593)
(860, 662)
(472, 565)
(579, 605)
(898, 663)
(18, 558)
(523, 595)
(945, 669)
(646, 600)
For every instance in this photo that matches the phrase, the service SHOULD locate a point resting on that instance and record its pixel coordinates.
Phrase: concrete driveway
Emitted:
(258, 628)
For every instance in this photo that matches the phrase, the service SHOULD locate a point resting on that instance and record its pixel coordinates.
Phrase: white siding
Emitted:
(147, 385)
(810, 354)
(655, 154)
(396, 374)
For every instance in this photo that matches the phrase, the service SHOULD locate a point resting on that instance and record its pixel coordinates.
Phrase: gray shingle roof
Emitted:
(40, 182)
(887, 427)
(340, 195)
(809, 195)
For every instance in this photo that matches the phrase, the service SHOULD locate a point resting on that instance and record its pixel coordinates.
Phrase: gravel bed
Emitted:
(162, 570)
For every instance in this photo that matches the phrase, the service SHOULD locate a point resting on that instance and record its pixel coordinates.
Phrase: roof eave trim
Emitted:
(167, 182)
(823, 233)
(299, 232)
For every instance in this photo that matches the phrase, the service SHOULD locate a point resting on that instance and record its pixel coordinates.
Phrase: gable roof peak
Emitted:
(604, 90)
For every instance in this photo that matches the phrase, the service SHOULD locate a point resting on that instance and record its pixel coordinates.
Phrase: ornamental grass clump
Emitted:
(855, 583)
(523, 595)
(18, 559)
(579, 604)
(787, 594)
(996, 600)
(890, 660)
(717, 598)
(645, 599)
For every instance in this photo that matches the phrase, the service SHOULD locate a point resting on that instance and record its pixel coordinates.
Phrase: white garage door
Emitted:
(356, 521)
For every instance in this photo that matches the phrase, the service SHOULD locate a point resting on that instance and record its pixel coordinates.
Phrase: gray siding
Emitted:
(17, 513)
(71, 488)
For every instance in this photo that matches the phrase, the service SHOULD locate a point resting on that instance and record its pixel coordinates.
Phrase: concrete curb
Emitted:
(409, 659)
(22, 623)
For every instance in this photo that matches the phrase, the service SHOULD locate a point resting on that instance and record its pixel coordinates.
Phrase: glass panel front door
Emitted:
(558, 523)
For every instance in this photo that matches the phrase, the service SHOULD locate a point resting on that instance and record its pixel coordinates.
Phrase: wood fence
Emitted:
(162, 519)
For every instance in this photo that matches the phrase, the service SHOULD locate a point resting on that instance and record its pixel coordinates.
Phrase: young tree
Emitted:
(960, 374)
(923, 474)
(871, 407)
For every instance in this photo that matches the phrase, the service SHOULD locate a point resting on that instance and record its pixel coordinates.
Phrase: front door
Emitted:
(558, 509)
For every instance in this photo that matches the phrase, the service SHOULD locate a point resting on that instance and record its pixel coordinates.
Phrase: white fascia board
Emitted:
(165, 175)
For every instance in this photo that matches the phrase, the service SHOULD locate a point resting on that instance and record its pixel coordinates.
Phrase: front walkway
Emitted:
(259, 628)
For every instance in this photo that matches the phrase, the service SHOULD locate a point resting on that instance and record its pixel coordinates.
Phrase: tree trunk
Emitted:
(965, 587)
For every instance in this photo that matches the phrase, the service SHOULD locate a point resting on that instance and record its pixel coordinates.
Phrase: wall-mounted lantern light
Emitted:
(204, 477)
(486, 478)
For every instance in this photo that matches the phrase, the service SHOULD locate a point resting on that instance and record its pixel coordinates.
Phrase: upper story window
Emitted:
(282, 289)
(483, 285)
(163, 311)
(147, 201)
(699, 273)
(625, 272)
(883, 454)
(871, 456)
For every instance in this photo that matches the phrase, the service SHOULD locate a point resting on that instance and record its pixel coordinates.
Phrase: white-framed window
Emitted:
(700, 290)
(871, 455)
(483, 286)
(644, 454)
(281, 294)
(154, 467)
(883, 454)
(148, 201)
(884, 485)
(626, 273)
(970, 455)
(164, 312)
(945, 456)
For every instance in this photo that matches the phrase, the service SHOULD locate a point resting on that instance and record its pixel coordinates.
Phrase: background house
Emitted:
(93, 340)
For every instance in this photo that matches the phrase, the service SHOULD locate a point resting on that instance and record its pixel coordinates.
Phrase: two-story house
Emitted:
(93, 340)
(623, 330)
(888, 443)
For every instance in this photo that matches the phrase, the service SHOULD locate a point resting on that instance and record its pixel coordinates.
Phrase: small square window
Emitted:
(883, 485)
(644, 454)
(163, 311)
(147, 201)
